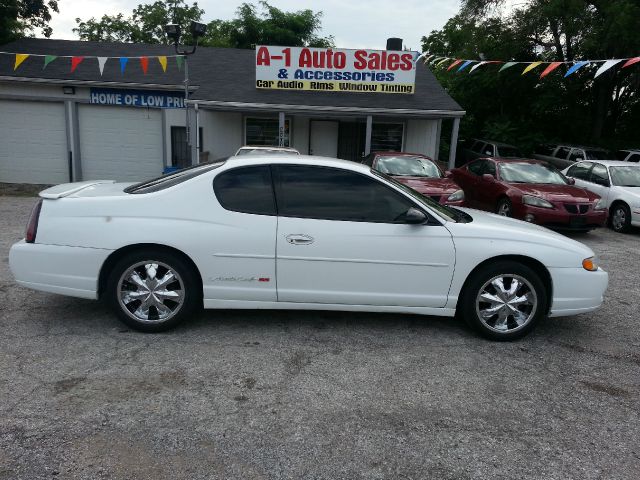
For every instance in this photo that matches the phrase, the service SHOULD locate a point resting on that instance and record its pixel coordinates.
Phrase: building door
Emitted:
(120, 143)
(351, 141)
(33, 142)
(324, 138)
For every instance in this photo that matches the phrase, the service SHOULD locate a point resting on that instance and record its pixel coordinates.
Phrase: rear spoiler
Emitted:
(67, 189)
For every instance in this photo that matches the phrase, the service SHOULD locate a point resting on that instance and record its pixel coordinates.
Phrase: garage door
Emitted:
(33, 142)
(120, 143)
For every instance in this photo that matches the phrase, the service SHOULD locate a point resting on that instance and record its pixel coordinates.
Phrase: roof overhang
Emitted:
(96, 83)
(327, 110)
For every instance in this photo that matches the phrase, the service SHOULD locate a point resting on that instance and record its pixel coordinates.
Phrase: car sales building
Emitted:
(72, 110)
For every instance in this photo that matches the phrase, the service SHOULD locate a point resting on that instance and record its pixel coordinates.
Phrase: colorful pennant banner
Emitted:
(77, 60)
(436, 61)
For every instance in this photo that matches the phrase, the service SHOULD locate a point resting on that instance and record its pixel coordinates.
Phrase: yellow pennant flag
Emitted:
(163, 63)
(20, 57)
(531, 67)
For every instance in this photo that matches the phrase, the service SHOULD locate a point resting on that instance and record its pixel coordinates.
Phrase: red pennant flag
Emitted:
(631, 61)
(453, 64)
(552, 66)
(144, 63)
(75, 61)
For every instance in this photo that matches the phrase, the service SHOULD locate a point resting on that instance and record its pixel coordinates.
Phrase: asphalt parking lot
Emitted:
(251, 394)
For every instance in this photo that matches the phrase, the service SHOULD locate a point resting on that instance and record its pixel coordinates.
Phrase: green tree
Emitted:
(145, 25)
(19, 18)
(578, 108)
(253, 25)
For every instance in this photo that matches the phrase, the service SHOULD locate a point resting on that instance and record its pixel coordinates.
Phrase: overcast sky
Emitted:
(353, 23)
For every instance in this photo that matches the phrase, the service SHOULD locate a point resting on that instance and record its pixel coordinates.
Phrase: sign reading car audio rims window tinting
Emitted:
(335, 70)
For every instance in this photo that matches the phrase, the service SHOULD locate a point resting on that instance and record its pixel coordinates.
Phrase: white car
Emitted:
(288, 232)
(618, 183)
(259, 150)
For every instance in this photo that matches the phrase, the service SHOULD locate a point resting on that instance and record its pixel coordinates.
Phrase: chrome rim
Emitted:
(506, 303)
(504, 209)
(619, 219)
(150, 292)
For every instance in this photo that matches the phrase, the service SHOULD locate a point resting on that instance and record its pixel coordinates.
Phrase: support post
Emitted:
(454, 142)
(367, 137)
(281, 129)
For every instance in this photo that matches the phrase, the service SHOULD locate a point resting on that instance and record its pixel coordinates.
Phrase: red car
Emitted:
(530, 190)
(418, 172)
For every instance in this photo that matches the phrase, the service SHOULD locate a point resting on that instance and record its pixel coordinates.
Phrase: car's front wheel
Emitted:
(620, 218)
(504, 300)
(153, 291)
(504, 208)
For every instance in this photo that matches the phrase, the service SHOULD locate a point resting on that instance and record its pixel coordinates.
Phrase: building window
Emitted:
(264, 132)
(180, 156)
(387, 137)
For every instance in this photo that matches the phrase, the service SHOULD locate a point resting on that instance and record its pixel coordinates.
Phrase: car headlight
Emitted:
(600, 205)
(590, 264)
(536, 201)
(456, 196)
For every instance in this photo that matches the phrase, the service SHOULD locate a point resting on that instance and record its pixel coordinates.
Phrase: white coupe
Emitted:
(288, 232)
(618, 183)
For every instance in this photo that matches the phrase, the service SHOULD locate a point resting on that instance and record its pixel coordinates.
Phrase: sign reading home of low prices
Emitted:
(136, 98)
(335, 70)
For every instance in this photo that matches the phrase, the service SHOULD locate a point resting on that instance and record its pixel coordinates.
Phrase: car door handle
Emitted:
(299, 239)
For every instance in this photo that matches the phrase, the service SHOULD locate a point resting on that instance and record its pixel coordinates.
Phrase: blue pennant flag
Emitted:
(465, 65)
(123, 63)
(575, 67)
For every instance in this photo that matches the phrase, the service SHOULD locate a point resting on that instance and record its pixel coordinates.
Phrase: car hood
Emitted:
(556, 193)
(489, 226)
(428, 185)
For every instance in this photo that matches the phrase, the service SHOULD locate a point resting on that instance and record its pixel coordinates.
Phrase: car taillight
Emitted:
(32, 226)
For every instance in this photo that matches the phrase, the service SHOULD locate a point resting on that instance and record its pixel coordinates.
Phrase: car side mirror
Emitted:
(415, 217)
(448, 174)
(571, 181)
(488, 177)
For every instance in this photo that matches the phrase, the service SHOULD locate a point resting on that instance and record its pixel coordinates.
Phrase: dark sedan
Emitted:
(530, 190)
(418, 172)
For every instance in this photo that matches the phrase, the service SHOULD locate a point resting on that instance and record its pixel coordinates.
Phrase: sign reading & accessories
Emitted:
(335, 70)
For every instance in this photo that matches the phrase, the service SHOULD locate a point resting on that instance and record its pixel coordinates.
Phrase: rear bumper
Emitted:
(562, 220)
(72, 271)
(576, 290)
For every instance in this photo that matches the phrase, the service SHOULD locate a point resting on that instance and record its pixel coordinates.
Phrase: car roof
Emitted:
(401, 154)
(493, 142)
(570, 145)
(512, 160)
(307, 160)
(630, 150)
(612, 163)
(265, 147)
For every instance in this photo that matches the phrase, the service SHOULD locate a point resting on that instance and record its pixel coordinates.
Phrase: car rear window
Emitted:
(246, 190)
(166, 181)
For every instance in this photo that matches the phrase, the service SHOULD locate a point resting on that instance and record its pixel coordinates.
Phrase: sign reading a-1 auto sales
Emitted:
(335, 70)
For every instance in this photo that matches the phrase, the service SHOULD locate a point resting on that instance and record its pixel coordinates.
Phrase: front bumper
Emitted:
(558, 219)
(576, 290)
(72, 271)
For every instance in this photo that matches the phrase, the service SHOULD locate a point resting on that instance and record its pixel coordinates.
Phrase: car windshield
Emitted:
(625, 176)
(404, 165)
(531, 173)
(265, 151)
(166, 181)
(598, 155)
(449, 213)
(509, 152)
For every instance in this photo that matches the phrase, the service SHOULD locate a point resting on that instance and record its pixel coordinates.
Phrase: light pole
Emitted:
(173, 32)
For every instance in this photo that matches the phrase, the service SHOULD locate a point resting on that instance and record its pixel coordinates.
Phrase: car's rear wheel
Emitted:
(153, 291)
(620, 218)
(504, 208)
(504, 300)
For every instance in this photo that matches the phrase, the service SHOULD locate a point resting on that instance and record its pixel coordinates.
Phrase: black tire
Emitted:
(504, 207)
(620, 218)
(183, 285)
(470, 304)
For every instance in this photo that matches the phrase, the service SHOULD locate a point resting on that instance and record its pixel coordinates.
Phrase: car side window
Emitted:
(334, 194)
(490, 168)
(635, 158)
(562, 152)
(476, 167)
(599, 175)
(246, 190)
(477, 146)
(580, 171)
(488, 150)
